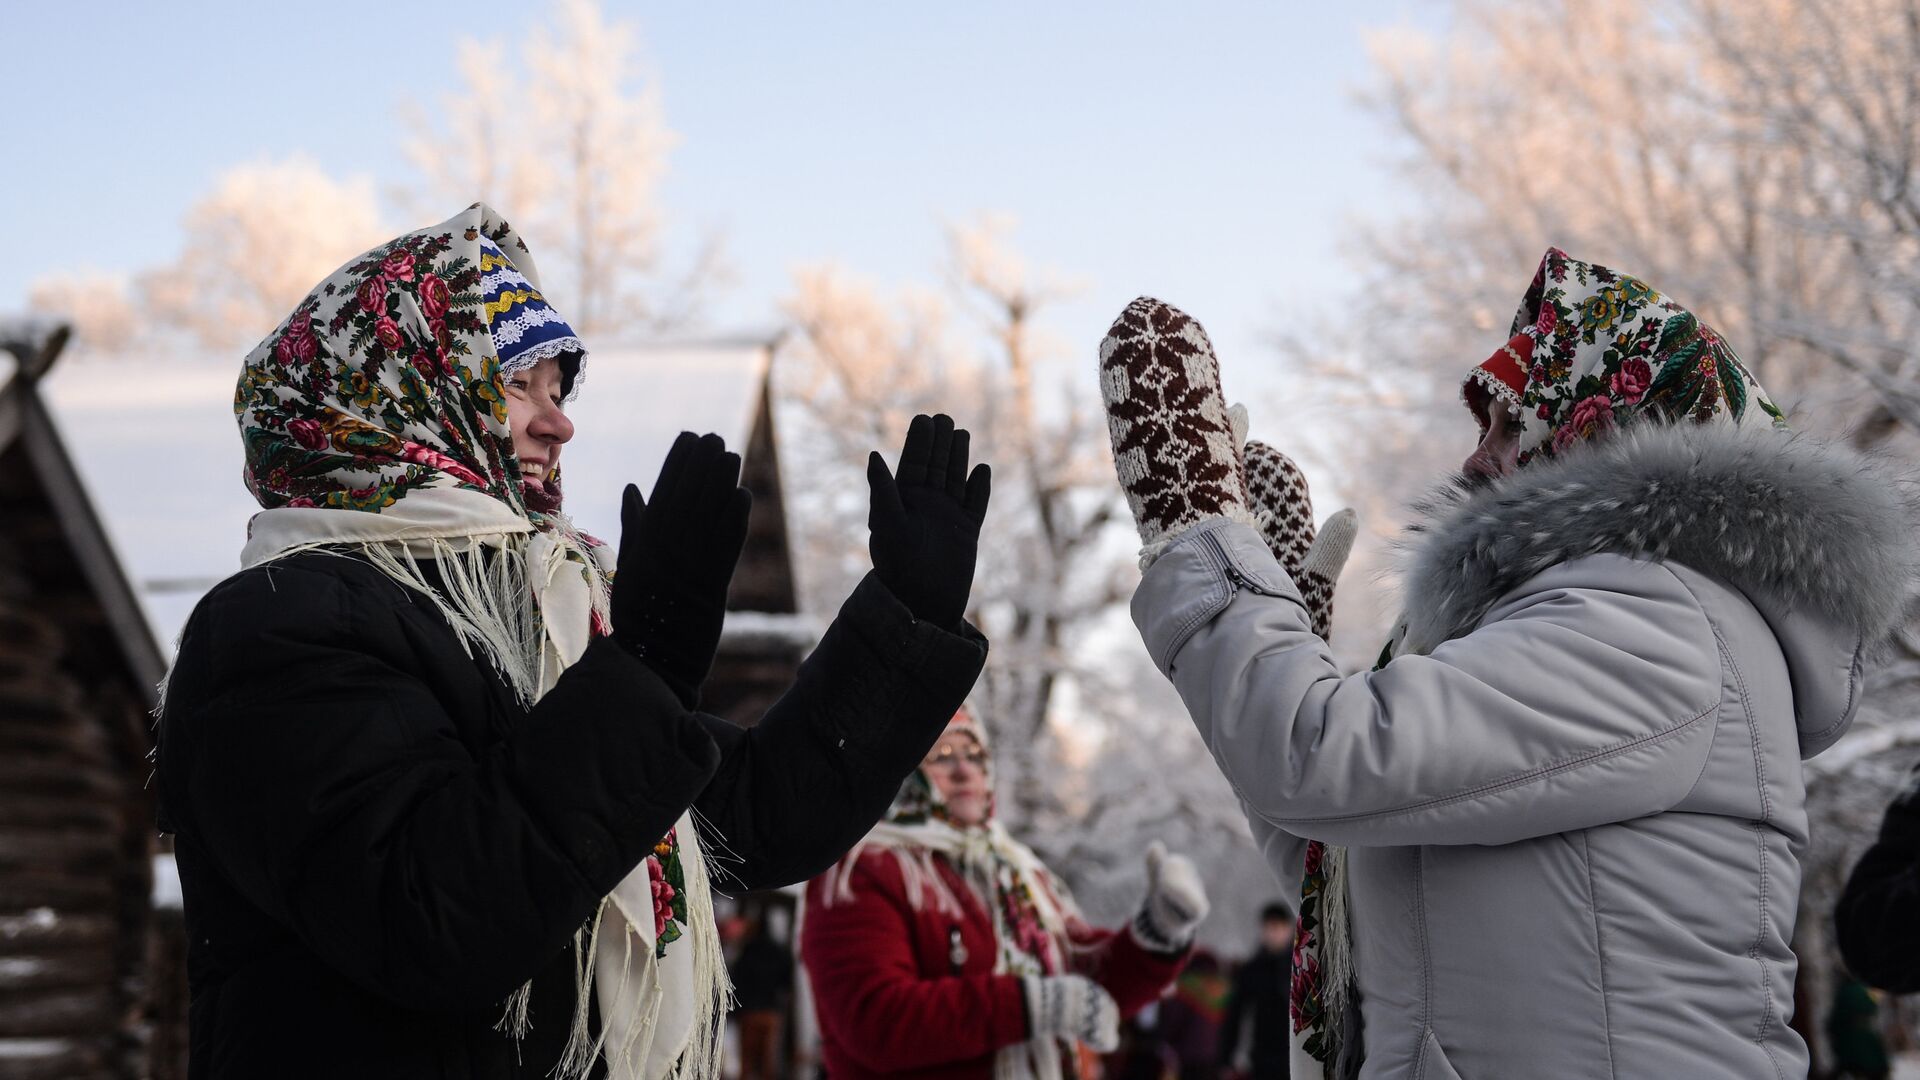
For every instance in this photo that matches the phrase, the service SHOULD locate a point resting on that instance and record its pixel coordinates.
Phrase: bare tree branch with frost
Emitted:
(253, 247)
(571, 144)
(99, 306)
(1094, 756)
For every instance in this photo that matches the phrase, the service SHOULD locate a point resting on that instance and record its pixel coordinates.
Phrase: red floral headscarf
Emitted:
(387, 378)
(1593, 350)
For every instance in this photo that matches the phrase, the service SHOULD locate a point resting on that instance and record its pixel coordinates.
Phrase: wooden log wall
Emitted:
(76, 821)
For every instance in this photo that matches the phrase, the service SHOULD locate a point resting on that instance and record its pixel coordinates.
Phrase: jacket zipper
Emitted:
(1243, 581)
(1234, 577)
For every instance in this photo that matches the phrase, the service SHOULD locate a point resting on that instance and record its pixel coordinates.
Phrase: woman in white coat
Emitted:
(1571, 801)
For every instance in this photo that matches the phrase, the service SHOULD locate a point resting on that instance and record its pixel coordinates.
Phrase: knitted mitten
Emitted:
(1277, 490)
(1173, 440)
(1176, 902)
(1071, 1007)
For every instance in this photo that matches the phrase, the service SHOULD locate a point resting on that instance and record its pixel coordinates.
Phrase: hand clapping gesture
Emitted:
(925, 520)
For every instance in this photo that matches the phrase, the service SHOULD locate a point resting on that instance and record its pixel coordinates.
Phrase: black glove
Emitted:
(677, 555)
(925, 523)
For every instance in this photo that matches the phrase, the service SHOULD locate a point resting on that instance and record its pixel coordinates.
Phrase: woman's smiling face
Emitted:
(537, 415)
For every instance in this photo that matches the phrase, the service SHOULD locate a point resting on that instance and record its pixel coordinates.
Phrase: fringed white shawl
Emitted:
(529, 608)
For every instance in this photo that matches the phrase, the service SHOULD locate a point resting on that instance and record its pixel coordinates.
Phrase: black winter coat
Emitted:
(1878, 918)
(378, 844)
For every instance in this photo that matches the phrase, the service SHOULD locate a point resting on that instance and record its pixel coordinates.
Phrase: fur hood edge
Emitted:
(1802, 523)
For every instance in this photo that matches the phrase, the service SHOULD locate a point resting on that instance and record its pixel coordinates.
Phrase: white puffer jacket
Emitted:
(1574, 800)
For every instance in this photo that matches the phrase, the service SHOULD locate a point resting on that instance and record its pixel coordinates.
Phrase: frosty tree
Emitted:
(98, 305)
(570, 143)
(252, 247)
(1093, 753)
(862, 370)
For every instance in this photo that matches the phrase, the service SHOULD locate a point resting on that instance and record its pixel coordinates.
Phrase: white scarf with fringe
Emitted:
(530, 609)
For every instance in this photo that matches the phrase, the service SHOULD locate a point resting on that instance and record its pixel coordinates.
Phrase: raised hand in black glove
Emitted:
(677, 554)
(925, 522)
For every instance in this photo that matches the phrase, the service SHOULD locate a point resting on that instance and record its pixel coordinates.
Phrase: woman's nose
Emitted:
(552, 424)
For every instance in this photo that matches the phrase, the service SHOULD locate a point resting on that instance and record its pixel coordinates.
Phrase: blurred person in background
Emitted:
(1853, 1032)
(1191, 1015)
(1143, 1053)
(940, 947)
(1253, 1032)
(431, 763)
(762, 987)
(1878, 917)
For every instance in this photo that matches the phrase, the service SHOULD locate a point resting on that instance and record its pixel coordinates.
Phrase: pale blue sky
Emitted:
(1207, 153)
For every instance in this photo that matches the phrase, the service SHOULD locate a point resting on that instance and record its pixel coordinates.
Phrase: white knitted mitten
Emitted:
(1176, 902)
(1278, 493)
(1173, 439)
(1071, 1007)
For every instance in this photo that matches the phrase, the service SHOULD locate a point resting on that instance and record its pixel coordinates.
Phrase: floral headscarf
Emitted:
(1593, 350)
(387, 378)
(375, 421)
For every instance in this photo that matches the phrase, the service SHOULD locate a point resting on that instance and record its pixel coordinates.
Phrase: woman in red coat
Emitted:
(940, 947)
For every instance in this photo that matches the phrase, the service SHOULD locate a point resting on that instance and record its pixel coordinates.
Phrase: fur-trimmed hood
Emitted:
(1819, 539)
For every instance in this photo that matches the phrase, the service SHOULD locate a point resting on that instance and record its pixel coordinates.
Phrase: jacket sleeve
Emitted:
(1286, 854)
(868, 991)
(328, 784)
(1586, 696)
(799, 788)
(1133, 976)
(1878, 917)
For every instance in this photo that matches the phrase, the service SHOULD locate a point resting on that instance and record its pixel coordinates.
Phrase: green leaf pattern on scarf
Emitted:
(1609, 349)
(669, 904)
(384, 381)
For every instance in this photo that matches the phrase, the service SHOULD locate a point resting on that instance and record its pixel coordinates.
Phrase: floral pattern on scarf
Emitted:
(1304, 995)
(1592, 350)
(667, 877)
(385, 380)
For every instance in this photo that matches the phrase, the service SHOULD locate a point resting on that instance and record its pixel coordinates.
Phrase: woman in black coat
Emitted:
(434, 770)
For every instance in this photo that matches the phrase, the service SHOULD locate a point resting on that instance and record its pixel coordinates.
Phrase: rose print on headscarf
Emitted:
(1593, 350)
(387, 378)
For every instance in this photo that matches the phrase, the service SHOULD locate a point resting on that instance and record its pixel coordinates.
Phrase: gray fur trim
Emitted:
(1802, 523)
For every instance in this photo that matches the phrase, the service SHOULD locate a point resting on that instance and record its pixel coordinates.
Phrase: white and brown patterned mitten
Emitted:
(1173, 439)
(1277, 491)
